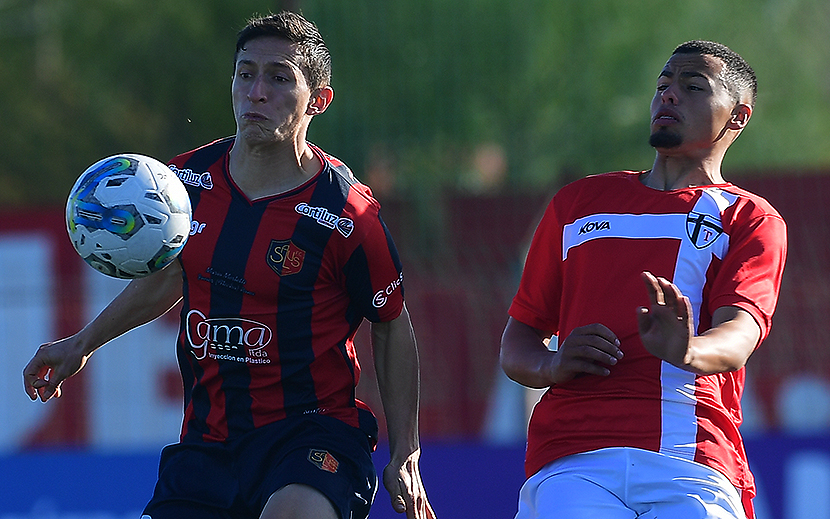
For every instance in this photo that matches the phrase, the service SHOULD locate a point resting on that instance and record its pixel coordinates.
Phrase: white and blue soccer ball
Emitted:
(128, 215)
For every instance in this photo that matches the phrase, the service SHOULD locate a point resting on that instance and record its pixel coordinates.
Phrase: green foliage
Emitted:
(563, 87)
(84, 81)
(424, 89)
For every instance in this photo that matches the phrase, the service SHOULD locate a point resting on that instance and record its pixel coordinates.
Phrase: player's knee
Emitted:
(297, 501)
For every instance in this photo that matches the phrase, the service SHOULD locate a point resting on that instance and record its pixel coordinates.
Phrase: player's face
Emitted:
(269, 90)
(691, 106)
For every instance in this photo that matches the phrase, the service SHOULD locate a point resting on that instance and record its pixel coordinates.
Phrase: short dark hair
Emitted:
(315, 60)
(737, 75)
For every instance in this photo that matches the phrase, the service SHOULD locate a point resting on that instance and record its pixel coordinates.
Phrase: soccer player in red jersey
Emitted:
(658, 285)
(287, 256)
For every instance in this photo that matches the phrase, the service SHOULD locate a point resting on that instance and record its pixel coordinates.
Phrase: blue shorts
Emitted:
(626, 483)
(234, 479)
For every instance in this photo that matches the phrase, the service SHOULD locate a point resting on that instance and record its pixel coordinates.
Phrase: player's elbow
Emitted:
(521, 356)
(506, 362)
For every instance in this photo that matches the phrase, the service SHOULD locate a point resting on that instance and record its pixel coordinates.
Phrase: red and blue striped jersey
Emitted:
(274, 291)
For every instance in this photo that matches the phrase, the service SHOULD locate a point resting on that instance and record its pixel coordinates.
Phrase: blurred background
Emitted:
(464, 116)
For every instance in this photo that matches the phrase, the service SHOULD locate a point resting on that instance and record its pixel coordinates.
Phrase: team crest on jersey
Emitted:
(284, 257)
(323, 460)
(703, 229)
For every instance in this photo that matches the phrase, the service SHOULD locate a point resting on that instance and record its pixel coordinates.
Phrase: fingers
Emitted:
(597, 330)
(652, 287)
(401, 496)
(396, 487)
(590, 349)
(427, 511)
(671, 294)
(663, 292)
(667, 324)
(398, 500)
(44, 385)
(40, 379)
(49, 390)
(34, 377)
(406, 491)
(586, 361)
(594, 341)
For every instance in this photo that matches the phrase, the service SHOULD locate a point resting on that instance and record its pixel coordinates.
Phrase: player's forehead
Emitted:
(269, 51)
(692, 65)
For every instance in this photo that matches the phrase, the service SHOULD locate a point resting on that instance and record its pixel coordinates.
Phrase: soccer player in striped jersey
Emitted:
(286, 258)
(658, 285)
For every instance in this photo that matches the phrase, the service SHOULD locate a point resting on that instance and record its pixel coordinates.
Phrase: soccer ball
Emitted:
(128, 216)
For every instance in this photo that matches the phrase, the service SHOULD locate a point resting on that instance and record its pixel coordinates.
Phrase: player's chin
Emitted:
(664, 139)
(262, 136)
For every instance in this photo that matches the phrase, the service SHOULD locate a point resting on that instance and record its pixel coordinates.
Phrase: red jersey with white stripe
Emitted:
(274, 291)
(721, 245)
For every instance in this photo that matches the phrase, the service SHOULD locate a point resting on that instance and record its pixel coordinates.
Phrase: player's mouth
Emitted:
(665, 118)
(254, 116)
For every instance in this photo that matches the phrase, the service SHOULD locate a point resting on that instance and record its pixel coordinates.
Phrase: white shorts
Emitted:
(627, 483)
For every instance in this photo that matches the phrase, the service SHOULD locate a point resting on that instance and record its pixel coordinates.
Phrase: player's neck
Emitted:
(669, 173)
(267, 170)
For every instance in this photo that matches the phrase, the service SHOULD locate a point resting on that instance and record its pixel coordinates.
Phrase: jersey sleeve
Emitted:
(374, 276)
(537, 302)
(750, 276)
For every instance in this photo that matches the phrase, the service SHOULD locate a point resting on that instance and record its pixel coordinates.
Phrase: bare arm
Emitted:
(525, 358)
(667, 331)
(398, 374)
(141, 301)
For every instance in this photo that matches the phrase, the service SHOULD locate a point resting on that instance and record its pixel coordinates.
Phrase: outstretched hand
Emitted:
(667, 325)
(403, 482)
(53, 363)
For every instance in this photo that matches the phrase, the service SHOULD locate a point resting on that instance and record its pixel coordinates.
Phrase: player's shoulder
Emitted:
(194, 167)
(205, 154)
(750, 203)
(358, 196)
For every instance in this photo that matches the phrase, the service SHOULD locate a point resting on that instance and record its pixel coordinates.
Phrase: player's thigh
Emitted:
(297, 501)
(692, 509)
(700, 493)
(186, 510)
(569, 495)
(324, 455)
(195, 482)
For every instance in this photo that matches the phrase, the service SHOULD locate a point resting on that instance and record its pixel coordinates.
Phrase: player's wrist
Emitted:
(86, 342)
(404, 460)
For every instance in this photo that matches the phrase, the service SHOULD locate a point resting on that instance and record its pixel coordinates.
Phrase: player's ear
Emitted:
(740, 116)
(320, 100)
